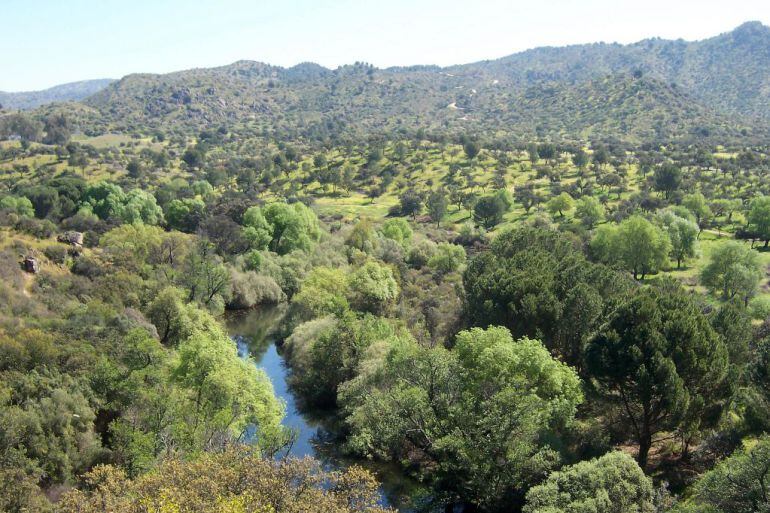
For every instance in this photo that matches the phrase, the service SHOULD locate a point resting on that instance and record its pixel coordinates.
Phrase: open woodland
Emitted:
(524, 286)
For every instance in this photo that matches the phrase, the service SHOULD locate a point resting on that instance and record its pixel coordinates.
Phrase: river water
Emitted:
(251, 331)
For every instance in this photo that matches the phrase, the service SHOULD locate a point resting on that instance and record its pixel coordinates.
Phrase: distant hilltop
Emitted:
(73, 91)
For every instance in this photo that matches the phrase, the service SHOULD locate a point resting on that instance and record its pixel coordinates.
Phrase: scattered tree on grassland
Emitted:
(733, 271)
(635, 244)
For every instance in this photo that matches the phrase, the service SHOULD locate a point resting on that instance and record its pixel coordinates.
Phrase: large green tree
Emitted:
(660, 361)
(475, 415)
(636, 244)
(538, 283)
(281, 227)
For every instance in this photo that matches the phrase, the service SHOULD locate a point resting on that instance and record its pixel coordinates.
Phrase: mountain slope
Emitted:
(651, 90)
(729, 72)
(73, 91)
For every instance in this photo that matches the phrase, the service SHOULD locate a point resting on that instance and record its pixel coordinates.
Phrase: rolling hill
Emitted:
(73, 91)
(651, 90)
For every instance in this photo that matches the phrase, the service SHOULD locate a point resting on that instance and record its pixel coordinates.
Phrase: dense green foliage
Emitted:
(505, 294)
(613, 483)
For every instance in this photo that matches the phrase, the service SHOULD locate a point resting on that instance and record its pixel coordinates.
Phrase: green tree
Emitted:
(398, 230)
(336, 354)
(489, 210)
(58, 129)
(19, 205)
(362, 235)
(437, 205)
(697, 204)
(324, 291)
(733, 271)
(739, 483)
(527, 196)
(194, 157)
(410, 203)
(661, 362)
(135, 169)
(547, 151)
(636, 244)
(667, 178)
(759, 217)
(471, 149)
(560, 204)
(281, 227)
(613, 483)
(223, 393)
(205, 276)
(447, 258)
(580, 159)
(590, 211)
(140, 207)
(683, 235)
(476, 414)
(185, 214)
(104, 199)
(373, 287)
(538, 283)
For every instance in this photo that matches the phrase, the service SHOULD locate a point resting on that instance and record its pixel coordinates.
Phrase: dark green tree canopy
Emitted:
(661, 361)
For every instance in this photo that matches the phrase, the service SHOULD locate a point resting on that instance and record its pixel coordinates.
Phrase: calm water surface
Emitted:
(252, 332)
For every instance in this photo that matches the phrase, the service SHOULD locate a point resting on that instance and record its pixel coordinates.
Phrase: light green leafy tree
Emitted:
(397, 229)
(636, 244)
(613, 483)
(683, 235)
(560, 204)
(19, 205)
(447, 258)
(739, 484)
(759, 217)
(373, 287)
(733, 271)
(476, 414)
(589, 211)
(281, 227)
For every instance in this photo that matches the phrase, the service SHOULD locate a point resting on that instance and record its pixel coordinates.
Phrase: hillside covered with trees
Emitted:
(547, 294)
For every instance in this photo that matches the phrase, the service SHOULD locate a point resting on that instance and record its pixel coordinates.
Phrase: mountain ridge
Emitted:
(70, 91)
(664, 89)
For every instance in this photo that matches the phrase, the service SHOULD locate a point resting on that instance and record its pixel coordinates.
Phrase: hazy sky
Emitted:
(47, 42)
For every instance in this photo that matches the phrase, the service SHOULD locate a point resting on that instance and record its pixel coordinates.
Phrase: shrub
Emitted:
(56, 253)
(249, 289)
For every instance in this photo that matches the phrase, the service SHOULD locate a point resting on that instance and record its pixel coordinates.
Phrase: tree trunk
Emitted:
(645, 442)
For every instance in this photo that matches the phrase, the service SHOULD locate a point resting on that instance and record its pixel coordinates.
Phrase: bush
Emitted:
(39, 228)
(760, 308)
(56, 253)
(87, 267)
(420, 253)
(448, 258)
(613, 483)
(249, 289)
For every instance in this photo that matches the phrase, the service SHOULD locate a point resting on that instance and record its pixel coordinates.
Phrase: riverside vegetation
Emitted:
(570, 319)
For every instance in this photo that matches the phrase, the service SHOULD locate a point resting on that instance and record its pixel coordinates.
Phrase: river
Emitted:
(252, 332)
